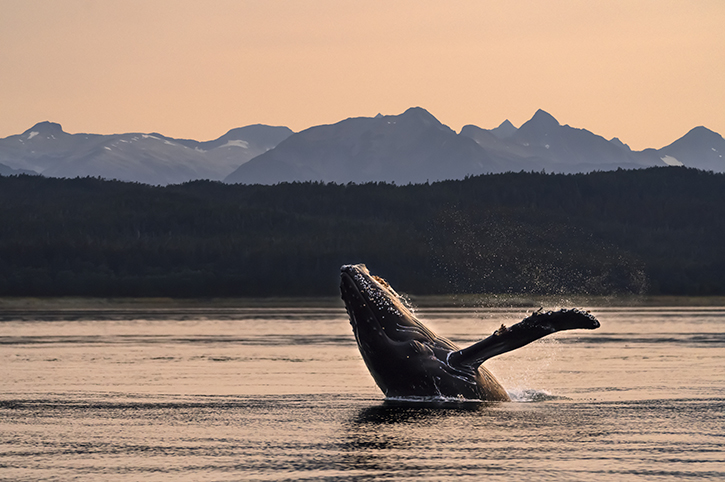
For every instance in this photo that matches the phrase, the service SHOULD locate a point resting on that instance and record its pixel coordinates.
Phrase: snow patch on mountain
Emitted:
(236, 143)
(671, 161)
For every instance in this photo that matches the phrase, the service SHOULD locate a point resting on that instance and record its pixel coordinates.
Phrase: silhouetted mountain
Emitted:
(505, 130)
(9, 171)
(543, 144)
(618, 143)
(568, 150)
(148, 158)
(700, 148)
(512, 156)
(412, 147)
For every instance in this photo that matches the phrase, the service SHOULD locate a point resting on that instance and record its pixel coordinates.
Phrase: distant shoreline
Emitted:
(31, 304)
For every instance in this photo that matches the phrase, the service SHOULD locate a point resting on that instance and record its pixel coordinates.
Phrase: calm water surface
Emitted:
(283, 394)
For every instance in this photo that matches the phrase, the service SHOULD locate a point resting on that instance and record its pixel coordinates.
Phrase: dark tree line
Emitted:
(654, 231)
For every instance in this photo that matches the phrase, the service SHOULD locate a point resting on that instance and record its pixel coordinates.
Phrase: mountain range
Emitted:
(412, 147)
(147, 158)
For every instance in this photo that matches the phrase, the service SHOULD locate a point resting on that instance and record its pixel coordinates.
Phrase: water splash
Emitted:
(533, 395)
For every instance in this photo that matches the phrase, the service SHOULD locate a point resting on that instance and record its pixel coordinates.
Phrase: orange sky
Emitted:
(644, 71)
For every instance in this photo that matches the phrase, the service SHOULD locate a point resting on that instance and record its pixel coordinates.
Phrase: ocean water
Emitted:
(283, 394)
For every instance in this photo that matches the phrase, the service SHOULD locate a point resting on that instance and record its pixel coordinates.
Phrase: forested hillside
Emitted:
(654, 231)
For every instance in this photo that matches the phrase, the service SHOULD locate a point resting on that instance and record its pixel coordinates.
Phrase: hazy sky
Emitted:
(644, 71)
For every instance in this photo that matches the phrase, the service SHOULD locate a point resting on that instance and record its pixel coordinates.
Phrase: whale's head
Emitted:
(404, 357)
(378, 315)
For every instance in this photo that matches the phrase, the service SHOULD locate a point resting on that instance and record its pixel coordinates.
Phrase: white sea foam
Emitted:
(438, 399)
(532, 395)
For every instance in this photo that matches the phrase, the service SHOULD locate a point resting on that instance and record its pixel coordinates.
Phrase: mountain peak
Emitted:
(617, 142)
(701, 133)
(505, 130)
(543, 118)
(506, 125)
(420, 114)
(46, 127)
(261, 133)
(538, 129)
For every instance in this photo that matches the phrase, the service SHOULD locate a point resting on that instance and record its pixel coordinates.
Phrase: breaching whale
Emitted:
(408, 360)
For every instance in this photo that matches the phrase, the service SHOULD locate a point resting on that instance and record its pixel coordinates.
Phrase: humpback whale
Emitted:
(408, 360)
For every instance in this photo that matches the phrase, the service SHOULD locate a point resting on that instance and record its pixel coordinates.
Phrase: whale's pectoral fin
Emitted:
(536, 326)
